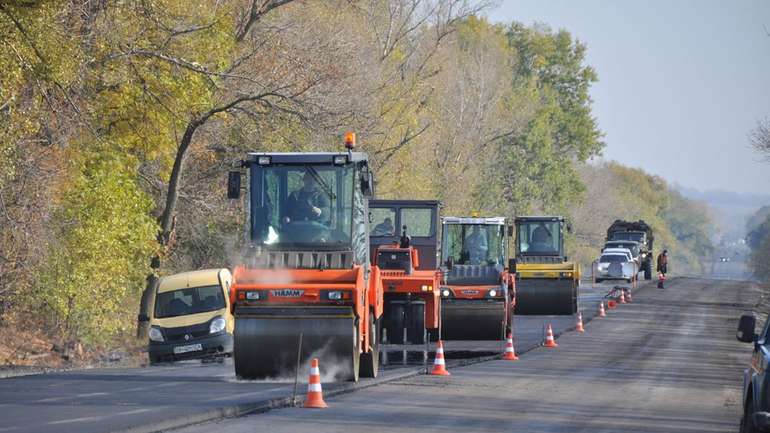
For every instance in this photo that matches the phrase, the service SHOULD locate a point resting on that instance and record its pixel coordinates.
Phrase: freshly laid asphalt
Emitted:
(668, 362)
(668, 351)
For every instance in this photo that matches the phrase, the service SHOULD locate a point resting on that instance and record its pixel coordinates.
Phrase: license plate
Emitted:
(470, 292)
(287, 293)
(188, 348)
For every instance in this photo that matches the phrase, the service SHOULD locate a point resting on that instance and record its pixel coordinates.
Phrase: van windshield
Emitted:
(189, 301)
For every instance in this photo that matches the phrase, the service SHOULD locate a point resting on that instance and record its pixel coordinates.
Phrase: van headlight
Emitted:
(217, 325)
(493, 293)
(156, 335)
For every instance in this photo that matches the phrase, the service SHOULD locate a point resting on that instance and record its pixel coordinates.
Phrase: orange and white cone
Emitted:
(579, 324)
(439, 366)
(622, 299)
(549, 341)
(510, 354)
(602, 313)
(315, 398)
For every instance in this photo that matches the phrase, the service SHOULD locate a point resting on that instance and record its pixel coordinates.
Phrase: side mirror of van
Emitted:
(234, 184)
(747, 328)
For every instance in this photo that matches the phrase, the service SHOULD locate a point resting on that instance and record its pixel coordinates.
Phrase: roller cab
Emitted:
(477, 291)
(404, 245)
(306, 287)
(547, 282)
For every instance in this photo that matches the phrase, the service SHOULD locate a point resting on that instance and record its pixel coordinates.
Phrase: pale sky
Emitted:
(681, 83)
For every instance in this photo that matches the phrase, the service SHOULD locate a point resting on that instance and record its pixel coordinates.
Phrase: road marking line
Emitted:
(131, 412)
(68, 421)
(9, 428)
(67, 397)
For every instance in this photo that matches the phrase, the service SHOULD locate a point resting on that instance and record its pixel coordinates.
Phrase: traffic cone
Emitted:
(439, 367)
(602, 313)
(315, 398)
(549, 341)
(579, 325)
(622, 299)
(510, 354)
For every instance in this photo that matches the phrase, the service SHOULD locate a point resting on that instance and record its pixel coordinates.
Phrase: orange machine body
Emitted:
(311, 287)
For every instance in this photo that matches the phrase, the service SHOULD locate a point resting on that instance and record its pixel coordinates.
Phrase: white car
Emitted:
(615, 266)
(624, 251)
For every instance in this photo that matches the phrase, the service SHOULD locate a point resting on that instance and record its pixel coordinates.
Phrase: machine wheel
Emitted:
(747, 422)
(396, 323)
(370, 361)
(415, 330)
(355, 361)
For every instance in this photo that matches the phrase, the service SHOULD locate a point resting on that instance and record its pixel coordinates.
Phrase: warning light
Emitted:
(350, 140)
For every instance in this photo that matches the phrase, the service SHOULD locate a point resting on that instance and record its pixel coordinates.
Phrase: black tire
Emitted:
(747, 422)
(355, 361)
(415, 329)
(370, 361)
(154, 360)
(396, 323)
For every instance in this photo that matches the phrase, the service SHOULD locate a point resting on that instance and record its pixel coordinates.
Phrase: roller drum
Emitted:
(544, 296)
(471, 319)
(266, 343)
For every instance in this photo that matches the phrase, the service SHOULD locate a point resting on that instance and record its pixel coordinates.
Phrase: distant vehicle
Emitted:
(624, 251)
(633, 246)
(756, 406)
(615, 266)
(637, 231)
(191, 318)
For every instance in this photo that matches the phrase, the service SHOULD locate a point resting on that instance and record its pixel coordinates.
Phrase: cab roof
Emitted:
(305, 157)
(471, 220)
(205, 277)
(536, 218)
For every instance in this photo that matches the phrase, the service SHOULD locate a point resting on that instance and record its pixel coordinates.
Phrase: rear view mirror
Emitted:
(234, 184)
(746, 328)
(367, 183)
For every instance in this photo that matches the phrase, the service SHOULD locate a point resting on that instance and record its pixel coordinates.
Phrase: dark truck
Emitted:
(756, 402)
(637, 231)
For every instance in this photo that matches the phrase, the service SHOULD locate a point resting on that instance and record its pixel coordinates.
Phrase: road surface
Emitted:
(669, 361)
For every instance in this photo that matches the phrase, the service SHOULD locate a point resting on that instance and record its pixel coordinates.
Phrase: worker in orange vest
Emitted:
(662, 268)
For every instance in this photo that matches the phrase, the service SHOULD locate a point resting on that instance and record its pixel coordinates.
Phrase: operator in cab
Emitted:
(542, 242)
(385, 228)
(307, 203)
(477, 246)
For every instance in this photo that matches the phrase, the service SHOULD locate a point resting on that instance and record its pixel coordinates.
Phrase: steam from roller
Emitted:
(266, 344)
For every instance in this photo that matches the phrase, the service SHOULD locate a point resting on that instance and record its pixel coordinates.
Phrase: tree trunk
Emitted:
(167, 223)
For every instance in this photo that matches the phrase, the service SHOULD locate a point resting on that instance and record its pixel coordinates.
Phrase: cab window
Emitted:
(418, 221)
(383, 220)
